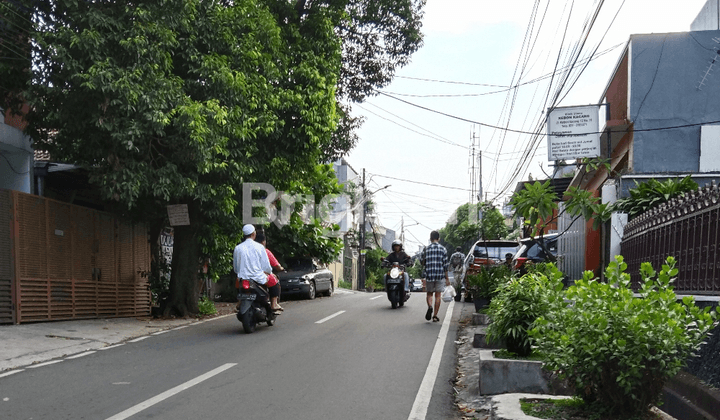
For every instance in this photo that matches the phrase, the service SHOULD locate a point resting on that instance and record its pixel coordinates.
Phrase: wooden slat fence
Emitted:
(70, 262)
(6, 266)
(686, 228)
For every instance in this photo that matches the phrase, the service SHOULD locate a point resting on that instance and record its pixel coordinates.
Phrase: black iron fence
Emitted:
(686, 228)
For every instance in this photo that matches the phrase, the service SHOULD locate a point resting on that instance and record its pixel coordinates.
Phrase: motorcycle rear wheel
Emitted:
(248, 321)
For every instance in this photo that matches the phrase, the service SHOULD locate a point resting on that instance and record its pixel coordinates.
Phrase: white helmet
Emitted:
(397, 242)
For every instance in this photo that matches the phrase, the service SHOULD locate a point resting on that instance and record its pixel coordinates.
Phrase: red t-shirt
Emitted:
(272, 279)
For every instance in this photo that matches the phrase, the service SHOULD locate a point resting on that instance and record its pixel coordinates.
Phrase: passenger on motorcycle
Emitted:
(399, 256)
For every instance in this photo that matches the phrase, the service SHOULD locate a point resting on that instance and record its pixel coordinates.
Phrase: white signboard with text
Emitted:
(178, 215)
(573, 132)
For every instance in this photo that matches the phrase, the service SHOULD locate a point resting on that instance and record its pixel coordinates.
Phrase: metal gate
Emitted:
(571, 245)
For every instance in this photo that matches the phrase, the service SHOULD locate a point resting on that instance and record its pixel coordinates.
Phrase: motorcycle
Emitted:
(254, 306)
(395, 284)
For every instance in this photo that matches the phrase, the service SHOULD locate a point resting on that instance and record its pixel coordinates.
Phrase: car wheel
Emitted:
(311, 291)
(330, 289)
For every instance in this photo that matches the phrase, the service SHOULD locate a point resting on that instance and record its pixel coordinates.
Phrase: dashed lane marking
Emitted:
(169, 393)
(330, 317)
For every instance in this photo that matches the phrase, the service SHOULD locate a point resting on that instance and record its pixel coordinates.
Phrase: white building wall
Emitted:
(16, 159)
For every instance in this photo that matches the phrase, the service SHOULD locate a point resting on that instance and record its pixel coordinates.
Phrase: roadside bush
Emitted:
(344, 284)
(518, 304)
(206, 306)
(486, 283)
(617, 350)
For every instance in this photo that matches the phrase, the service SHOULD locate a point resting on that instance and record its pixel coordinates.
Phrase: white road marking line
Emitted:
(169, 393)
(12, 372)
(330, 317)
(422, 400)
(77, 356)
(44, 364)
(121, 383)
(160, 332)
(179, 328)
(112, 347)
(376, 297)
(138, 339)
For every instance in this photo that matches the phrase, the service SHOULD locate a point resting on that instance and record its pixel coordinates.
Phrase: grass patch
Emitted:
(574, 409)
(484, 311)
(505, 354)
(207, 306)
(344, 284)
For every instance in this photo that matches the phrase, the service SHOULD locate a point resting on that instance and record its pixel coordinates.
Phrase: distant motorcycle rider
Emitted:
(399, 256)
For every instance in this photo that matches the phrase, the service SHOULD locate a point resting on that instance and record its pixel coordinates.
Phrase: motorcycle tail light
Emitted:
(246, 284)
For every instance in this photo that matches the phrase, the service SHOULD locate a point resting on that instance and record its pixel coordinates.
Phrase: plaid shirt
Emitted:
(436, 262)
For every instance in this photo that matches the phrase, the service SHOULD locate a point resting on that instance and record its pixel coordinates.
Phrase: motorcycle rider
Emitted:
(250, 261)
(399, 256)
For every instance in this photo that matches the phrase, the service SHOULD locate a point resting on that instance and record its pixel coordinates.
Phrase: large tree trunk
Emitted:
(184, 285)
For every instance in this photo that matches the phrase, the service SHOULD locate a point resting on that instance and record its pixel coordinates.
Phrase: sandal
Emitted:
(429, 312)
(436, 319)
(279, 309)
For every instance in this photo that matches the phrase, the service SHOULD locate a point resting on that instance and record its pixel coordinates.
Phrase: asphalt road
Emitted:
(349, 356)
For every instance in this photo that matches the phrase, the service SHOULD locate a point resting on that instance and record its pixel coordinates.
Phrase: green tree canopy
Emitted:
(183, 101)
(465, 227)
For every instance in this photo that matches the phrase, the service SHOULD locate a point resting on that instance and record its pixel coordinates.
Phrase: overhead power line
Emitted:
(423, 183)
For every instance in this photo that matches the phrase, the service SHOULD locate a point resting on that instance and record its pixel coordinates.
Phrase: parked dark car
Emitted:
(531, 251)
(306, 277)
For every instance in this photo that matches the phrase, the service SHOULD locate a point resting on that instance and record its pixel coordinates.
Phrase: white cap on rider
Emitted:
(248, 229)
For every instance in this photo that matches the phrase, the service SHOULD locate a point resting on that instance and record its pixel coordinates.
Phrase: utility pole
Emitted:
(361, 250)
(402, 229)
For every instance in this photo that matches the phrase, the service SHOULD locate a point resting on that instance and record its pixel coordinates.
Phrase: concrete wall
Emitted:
(709, 17)
(666, 71)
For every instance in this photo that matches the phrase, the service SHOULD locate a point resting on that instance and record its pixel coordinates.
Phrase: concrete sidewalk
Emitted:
(27, 344)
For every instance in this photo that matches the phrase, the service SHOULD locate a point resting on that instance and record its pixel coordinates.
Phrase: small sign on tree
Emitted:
(178, 214)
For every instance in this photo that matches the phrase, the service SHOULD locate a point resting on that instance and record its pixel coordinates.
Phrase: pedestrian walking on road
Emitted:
(435, 260)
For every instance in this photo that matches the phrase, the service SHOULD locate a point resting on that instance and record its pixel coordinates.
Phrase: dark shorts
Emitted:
(274, 291)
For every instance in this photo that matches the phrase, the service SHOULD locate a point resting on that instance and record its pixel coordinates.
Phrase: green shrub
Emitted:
(206, 306)
(518, 304)
(485, 283)
(617, 350)
(344, 284)
(415, 270)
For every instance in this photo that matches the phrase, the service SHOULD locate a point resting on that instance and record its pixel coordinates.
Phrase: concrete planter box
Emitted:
(499, 376)
(480, 340)
(481, 319)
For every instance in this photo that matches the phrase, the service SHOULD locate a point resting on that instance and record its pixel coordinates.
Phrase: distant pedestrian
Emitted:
(457, 260)
(435, 260)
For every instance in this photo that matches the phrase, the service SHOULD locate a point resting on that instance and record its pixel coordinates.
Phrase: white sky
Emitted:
(480, 42)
